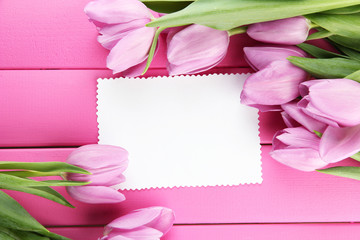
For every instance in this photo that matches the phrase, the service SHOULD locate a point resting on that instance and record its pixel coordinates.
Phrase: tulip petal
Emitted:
(265, 108)
(118, 237)
(111, 34)
(295, 113)
(339, 143)
(334, 99)
(299, 138)
(276, 143)
(276, 84)
(289, 31)
(116, 11)
(289, 121)
(301, 159)
(131, 50)
(139, 69)
(97, 156)
(261, 57)
(136, 70)
(141, 233)
(297, 148)
(165, 221)
(136, 218)
(308, 108)
(95, 194)
(195, 48)
(100, 177)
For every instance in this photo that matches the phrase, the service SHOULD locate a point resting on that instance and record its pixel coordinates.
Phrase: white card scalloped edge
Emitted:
(181, 131)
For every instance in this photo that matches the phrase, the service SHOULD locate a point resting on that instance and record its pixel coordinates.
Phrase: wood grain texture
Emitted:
(56, 34)
(330, 231)
(286, 195)
(42, 108)
(58, 107)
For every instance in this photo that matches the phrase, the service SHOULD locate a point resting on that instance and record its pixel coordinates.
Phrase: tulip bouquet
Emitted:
(91, 175)
(16, 222)
(315, 90)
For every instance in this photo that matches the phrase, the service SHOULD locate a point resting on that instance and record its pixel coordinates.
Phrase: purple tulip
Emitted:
(293, 116)
(143, 224)
(121, 24)
(289, 31)
(339, 143)
(106, 163)
(195, 49)
(276, 84)
(260, 57)
(297, 148)
(332, 101)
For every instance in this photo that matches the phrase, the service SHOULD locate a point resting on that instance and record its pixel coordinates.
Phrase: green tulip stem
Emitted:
(25, 174)
(153, 48)
(236, 31)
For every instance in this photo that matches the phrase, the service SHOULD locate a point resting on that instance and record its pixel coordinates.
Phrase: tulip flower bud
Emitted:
(121, 24)
(276, 84)
(146, 223)
(332, 101)
(106, 163)
(195, 49)
(260, 57)
(339, 143)
(297, 148)
(293, 116)
(289, 31)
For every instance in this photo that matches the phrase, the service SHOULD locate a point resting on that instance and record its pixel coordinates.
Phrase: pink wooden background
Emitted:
(49, 63)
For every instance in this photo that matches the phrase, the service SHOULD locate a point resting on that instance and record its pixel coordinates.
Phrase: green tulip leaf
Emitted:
(347, 172)
(166, 6)
(45, 192)
(345, 10)
(343, 25)
(346, 42)
(20, 235)
(318, 52)
(228, 14)
(352, 54)
(322, 33)
(356, 156)
(54, 236)
(43, 167)
(354, 76)
(326, 68)
(7, 181)
(30, 173)
(7, 234)
(14, 216)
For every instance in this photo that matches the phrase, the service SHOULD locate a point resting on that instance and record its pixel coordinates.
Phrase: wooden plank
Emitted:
(58, 107)
(286, 195)
(56, 34)
(326, 231)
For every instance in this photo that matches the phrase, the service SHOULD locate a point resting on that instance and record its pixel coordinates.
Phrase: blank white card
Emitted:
(181, 131)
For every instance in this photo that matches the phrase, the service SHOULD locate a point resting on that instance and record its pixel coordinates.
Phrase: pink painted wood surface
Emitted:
(58, 107)
(56, 34)
(330, 231)
(286, 195)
